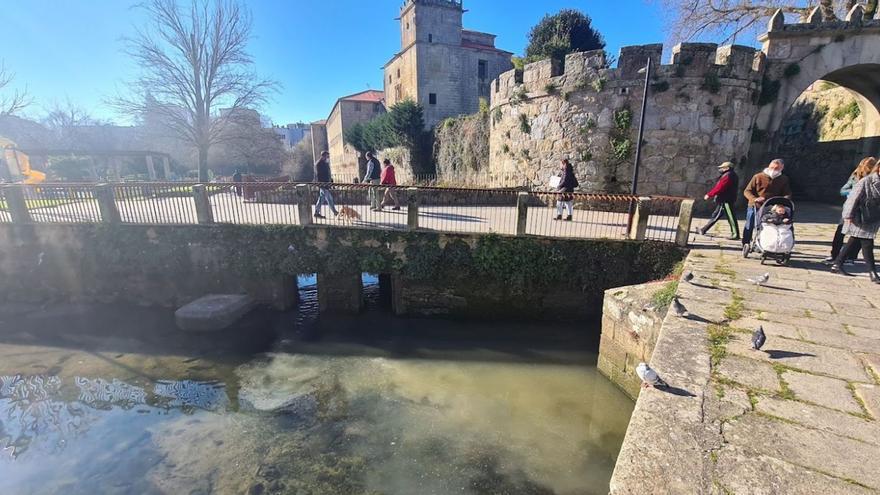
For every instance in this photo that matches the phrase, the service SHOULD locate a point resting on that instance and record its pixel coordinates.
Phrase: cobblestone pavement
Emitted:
(801, 416)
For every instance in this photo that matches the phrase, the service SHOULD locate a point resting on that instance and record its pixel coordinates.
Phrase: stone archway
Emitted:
(846, 53)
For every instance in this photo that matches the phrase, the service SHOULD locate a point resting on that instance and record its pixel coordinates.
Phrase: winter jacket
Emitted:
(847, 188)
(388, 177)
(322, 171)
(374, 170)
(725, 189)
(763, 186)
(867, 188)
(568, 183)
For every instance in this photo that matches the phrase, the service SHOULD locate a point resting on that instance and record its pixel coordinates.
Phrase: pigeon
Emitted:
(679, 308)
(291, 248)
(688, 276)
(649, 377)
(760, 280)
(758, 338)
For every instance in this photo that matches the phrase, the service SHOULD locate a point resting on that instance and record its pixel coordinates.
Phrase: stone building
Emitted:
(443, 67)
(350, 110)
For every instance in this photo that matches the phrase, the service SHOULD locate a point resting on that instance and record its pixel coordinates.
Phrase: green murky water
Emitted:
(115, 400)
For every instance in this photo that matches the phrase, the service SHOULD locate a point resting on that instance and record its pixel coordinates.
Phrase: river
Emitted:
(115, 400)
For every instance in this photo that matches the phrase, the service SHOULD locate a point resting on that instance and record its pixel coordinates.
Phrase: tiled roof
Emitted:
(370, 95)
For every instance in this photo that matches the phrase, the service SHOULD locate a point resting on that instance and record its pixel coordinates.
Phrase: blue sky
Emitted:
(317, 49)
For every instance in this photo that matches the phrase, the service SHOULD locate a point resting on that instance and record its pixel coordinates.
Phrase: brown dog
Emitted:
(348, 214)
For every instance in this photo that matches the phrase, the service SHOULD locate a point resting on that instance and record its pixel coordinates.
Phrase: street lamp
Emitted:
(635, 178)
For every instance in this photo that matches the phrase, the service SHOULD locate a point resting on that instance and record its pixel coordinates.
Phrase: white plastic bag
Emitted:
(554, 181)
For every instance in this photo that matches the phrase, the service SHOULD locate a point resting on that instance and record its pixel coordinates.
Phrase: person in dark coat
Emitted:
(724, 195)
(324, 178)
(566, 186)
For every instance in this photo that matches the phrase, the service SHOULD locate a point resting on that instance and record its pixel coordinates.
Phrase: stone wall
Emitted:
(819, 170)
(461, 146)
(699, 113)
(173, 265)
(629, 333)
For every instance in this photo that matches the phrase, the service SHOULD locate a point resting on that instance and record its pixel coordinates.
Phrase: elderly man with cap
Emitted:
(724, 194)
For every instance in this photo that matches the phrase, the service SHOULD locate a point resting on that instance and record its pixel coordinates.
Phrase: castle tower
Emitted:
(441, 66)
(430, 21)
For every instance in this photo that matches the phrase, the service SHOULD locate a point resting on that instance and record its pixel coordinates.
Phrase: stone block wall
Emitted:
(629, 333)
(700, 112)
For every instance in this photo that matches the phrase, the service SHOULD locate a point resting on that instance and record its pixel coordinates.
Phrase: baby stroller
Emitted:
(774, 242)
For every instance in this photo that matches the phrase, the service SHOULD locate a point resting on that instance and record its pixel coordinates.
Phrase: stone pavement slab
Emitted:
(816, 450)
(828, 392)
(749, 372)
(814, 358)
(840, 339)
(741, 472)
(821, 418)
(870, 396)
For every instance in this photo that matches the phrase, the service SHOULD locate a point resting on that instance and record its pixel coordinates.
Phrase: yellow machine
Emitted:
(16, 160)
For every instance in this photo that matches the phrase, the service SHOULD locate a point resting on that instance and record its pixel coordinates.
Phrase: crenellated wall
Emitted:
(699, 113)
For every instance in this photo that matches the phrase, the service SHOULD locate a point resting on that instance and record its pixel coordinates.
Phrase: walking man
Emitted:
(372, 177)
(766, 184)
(324, 178)
(724, 194)
(389, 179)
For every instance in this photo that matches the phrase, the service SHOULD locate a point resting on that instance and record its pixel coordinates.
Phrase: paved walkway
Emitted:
(802, 416)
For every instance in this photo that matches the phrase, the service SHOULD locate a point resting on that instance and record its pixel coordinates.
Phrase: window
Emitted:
(398, 73)
(432, 98)
(407, 26)
(397, 93)
(483, 89)
(430, 38)
(357, 106)
(483, 69)
(377, 107)
(389, 77)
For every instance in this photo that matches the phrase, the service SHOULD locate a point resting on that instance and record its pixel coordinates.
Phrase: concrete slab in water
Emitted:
(213, 312)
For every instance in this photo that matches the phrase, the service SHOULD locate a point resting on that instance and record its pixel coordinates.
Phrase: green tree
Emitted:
(558, 35)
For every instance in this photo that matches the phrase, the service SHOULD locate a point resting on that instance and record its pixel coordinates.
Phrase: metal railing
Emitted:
(441, 209)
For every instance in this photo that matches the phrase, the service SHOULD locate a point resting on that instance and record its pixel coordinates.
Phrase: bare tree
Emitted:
(724, 20)
(194, 63)
(66, 121)
(11, 104)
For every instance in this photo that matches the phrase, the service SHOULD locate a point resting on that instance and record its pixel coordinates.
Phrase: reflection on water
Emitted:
(367, 405)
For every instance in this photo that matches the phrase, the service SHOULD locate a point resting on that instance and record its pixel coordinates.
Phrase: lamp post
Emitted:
(634, 187)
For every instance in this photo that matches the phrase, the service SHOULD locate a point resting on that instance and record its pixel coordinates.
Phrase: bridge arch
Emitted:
(844, 52)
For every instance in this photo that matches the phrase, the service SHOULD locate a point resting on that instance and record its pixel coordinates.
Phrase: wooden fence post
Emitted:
(15, 203)
(412, 208)
(204, 214)
(107, 203)
(639, 226)
(303, 204)
(685, 217)
(522, 211)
